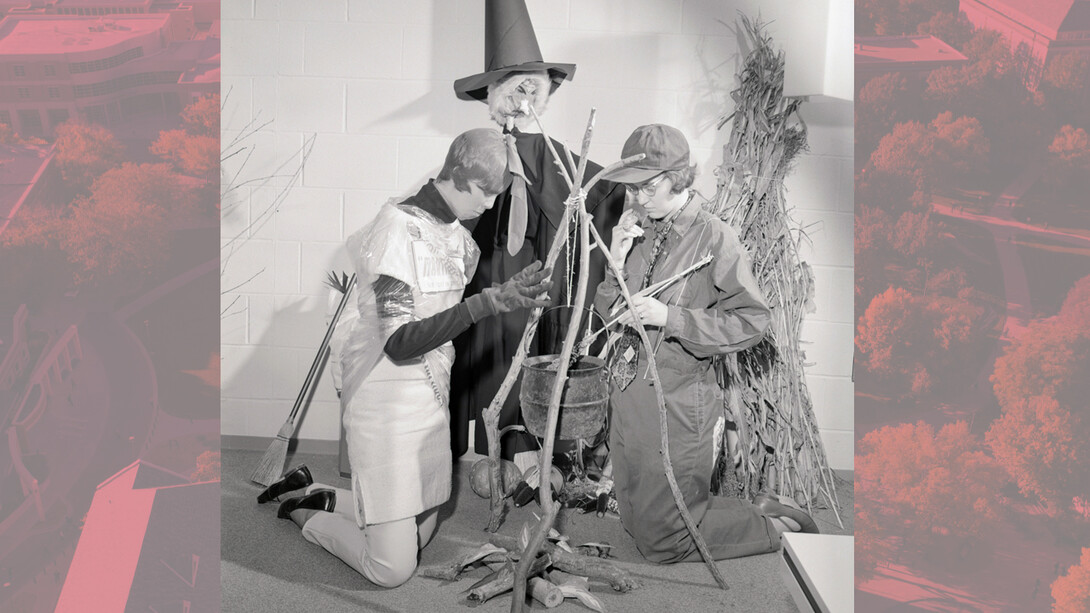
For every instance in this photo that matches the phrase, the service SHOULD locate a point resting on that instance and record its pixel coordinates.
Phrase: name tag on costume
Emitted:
(435, 273)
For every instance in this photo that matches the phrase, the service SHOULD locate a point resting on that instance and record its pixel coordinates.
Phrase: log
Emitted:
(504, 580)
(596, 568)
(452, 570)
(546, 593)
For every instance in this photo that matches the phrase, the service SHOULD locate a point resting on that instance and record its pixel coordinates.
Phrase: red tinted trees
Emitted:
(1050, 359)
(1068, 162)
(879, 106)
(203, 116)
(208, 467)
(123, 227)
(1065, 87)
(150, 183)
(195, 149)
(962, 146)
(195, 155)
(84, 152)
(872, 229)
(892, 333)
(1045, 448)
(913, 233)
(916, 342)
(933, 155)
(900, 17)
(1075, 310)
(905, 151)
(931, 482)
(1040, 381)
(1071, 591)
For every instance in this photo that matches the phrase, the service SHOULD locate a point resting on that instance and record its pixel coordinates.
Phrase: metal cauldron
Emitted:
(582, 405)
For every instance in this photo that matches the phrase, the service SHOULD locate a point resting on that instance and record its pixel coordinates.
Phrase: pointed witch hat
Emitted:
(510, 45)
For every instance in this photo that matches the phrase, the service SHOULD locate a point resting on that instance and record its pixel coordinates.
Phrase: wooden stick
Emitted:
(651, 290)
(623, 162)
(656, 288)
(491, 415)
(579, 174)
(451, 570)
(549, 143)
(549, 506)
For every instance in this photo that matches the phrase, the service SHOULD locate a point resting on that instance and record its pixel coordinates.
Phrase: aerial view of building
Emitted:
(112, 68)
(1037, 30)
(126, 560)
(108, 122)
(916, 54)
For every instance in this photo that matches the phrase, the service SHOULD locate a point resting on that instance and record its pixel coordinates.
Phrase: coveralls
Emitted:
(717, 309)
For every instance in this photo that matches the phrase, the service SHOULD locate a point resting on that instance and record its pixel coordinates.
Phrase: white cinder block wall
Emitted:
(371, 81)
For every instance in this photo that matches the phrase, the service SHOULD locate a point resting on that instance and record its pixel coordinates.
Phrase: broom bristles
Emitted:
(272, 463)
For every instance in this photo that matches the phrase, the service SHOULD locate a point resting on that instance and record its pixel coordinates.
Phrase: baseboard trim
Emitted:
(236, 442)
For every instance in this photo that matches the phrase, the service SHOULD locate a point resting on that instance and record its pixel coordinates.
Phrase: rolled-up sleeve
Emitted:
(738, 319)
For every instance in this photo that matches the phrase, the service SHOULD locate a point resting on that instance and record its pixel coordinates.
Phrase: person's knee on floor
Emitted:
(390, 575)
(659, 544)
(660, 554)
(390, 557)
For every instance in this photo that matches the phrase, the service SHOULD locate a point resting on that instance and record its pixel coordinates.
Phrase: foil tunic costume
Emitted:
(395, 412)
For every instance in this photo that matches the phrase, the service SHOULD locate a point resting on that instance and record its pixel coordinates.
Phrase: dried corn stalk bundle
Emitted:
(766, 388)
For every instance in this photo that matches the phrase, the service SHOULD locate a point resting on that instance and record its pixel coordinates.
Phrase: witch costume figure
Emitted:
(717, 309)
(523, 225)
(412, 264)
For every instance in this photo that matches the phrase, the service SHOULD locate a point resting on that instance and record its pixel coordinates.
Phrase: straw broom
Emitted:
(767, 393)
(271, 466)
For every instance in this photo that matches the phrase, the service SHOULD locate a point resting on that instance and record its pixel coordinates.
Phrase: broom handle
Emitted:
(322, 350)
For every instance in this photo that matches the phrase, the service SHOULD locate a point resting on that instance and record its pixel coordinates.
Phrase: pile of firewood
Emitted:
(560, 570)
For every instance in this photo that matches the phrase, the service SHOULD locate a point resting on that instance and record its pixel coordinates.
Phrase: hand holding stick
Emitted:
(650, 291)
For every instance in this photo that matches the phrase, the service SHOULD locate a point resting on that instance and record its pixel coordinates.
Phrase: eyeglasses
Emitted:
(649, 188)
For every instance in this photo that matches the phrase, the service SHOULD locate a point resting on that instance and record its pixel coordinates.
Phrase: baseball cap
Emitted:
(664, 148)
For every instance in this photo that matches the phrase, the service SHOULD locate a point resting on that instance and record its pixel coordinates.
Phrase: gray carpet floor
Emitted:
(267, 566)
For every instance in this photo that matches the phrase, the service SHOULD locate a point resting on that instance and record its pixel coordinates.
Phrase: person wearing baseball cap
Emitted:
(715, 310)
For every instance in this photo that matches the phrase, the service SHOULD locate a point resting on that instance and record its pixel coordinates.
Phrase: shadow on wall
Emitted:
(265, 386)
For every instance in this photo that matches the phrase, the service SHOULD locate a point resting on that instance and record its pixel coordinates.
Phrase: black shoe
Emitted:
(771, 506)
(294, 480)
(319, 500)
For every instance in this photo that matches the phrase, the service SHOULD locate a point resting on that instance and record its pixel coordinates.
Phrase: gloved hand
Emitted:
(521, 291)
